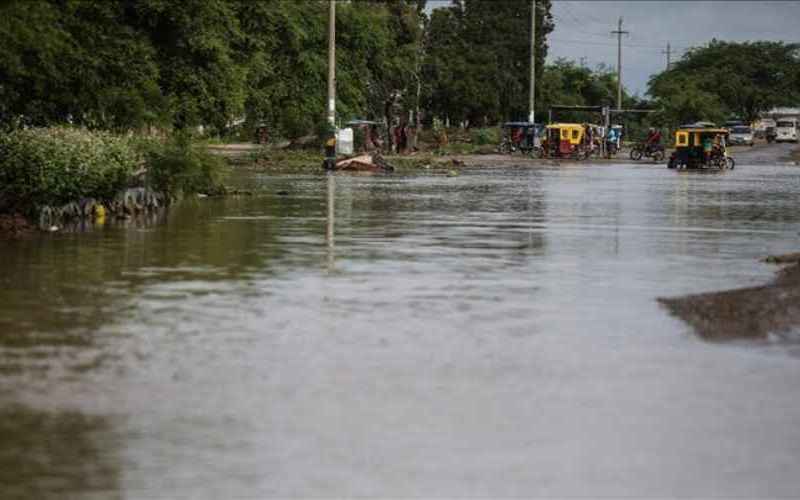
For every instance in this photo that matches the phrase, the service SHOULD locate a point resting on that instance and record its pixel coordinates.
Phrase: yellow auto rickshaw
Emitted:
(701, 147)
(566, 140)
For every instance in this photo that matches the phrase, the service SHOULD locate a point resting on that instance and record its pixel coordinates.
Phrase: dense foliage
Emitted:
(59, 165)
(478, 59)
(728, 79)
(132, 64)
(54, 166)
(180, 166)
(136, 64)
(230, 65)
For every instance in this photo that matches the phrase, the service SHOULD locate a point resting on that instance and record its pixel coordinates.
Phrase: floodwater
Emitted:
(492, 334)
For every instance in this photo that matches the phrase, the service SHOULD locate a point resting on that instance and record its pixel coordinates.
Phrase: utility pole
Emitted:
(332, 64)
(668, 52)
(619, 34)
(330, 143)
(532, 112)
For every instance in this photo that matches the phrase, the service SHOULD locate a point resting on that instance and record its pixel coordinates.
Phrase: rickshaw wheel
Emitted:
(658, 156)
(731, 163)
(636, 154)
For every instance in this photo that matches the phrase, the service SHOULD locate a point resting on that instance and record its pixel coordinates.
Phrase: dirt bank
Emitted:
(15, 226)
(747, 313)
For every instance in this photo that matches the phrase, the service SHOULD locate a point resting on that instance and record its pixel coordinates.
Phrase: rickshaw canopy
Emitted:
(572, 132)
(693, 136)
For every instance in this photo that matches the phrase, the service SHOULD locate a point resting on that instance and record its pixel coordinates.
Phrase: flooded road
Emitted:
(492, 334)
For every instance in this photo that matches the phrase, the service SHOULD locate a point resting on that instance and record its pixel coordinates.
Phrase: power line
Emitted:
(608, 44)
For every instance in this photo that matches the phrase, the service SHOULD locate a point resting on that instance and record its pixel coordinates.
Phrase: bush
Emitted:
(53, 166)
(179, 167)
(324, 131)
(485, 136)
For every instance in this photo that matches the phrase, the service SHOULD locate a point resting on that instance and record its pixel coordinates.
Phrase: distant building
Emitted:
(768, 118)
(778, 113)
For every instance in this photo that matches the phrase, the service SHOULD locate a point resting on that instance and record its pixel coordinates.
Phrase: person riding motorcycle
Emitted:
(653, 141)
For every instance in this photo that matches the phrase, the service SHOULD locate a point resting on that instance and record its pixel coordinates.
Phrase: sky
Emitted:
(583, 30)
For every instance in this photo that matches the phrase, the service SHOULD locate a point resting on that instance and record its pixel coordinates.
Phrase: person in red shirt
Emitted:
(653, 139)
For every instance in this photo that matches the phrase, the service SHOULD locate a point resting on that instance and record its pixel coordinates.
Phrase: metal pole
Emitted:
(332, 64)
(532, 112)
(669, 56)
(619, 34)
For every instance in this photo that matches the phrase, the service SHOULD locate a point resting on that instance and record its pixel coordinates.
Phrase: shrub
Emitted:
(52, 166)
(179, 167)
(485, 136)
(324, 131)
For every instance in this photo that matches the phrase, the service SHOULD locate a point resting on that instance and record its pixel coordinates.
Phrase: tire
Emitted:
(671, 163)
(636, 154)
(731, 163)
(658, 156)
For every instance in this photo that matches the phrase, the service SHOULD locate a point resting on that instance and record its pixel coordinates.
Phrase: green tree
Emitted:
(201, 74)
(479, 51)
(724, 78)
(76, 61)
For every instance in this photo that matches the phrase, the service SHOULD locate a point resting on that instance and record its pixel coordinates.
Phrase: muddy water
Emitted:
(492, 334)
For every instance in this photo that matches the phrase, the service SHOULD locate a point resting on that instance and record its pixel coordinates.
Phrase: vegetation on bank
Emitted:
(59, 165)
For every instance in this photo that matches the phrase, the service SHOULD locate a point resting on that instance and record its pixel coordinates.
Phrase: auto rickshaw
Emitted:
(566, 140)
(701, 147)
(520, 136)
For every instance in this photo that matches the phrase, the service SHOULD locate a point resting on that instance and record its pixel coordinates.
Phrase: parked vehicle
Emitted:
(566, 140)
(741, 135)
(520, 136)
(701, 147)
(786, 130)
(771, 134)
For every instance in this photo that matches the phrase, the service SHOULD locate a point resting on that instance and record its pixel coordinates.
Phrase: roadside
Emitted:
(764, 153)
(282, 159)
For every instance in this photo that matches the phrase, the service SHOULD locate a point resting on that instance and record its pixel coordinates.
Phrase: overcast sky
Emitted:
(583, 29)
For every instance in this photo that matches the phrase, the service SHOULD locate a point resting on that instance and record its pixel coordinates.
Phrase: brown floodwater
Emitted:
(491, 334)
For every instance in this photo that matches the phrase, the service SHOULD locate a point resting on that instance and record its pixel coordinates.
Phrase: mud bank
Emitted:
(746, 313)
(15, 226)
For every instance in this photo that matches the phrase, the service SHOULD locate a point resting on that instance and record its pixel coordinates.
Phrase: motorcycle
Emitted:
(654, 151)
(611, 149)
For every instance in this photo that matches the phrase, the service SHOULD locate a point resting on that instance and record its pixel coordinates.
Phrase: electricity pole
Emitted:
(532, 112)
(330, 143)
(619, 34)
(668, 52)
(332, 64)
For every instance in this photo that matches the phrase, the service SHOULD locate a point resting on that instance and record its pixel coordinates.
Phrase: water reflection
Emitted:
(393, 335)
(58, 454)
(330, 219)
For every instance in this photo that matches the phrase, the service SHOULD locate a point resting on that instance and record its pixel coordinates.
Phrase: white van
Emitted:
(786, 130)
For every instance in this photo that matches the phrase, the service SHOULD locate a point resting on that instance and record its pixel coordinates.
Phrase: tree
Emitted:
(724, 78)
(76, 61)
(479, 51)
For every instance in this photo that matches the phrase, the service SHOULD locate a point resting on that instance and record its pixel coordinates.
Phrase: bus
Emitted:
(786, 130)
